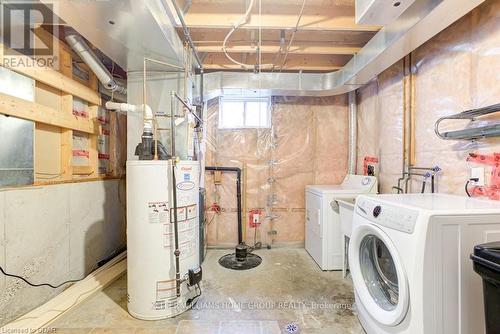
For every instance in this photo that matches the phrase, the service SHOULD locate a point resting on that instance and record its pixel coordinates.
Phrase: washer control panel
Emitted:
(398, 218)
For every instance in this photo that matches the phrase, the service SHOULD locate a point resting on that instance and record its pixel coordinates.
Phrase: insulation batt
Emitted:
(307, 142)
(455, 71)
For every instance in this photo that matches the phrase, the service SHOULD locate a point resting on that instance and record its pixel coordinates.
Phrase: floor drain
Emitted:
(292, 328)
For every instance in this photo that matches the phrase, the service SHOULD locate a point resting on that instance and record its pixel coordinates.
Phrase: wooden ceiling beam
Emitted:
(294, 62)
(340, 38)
(275, 16)
(295, 49)
(294, 68)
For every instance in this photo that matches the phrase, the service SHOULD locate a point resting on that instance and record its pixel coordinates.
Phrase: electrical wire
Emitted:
(259, 51)
(112, 75)
(293, 35)
(467, 185)
(194, 300)
(242, 21)
(255, 236)
(41, 284)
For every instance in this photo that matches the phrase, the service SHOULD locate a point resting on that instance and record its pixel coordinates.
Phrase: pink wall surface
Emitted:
(458, 69)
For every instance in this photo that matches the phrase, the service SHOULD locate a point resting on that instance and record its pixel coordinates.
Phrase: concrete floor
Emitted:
(287, 289)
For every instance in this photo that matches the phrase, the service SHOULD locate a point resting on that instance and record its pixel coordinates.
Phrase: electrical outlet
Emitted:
(477, 173)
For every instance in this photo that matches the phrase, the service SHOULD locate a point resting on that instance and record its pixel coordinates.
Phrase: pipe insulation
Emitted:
(353, 132)
(88, 56)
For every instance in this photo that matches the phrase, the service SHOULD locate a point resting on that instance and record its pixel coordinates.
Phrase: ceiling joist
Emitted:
(325, 38)
(274, 16)
(339, 38)
(316, 63)
(295, 49)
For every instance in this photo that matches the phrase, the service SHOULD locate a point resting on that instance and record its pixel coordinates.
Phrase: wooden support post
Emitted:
(66, 154)
(93, 81)
(93, 151)
(112, 144)
(67, 140)
(413, 150)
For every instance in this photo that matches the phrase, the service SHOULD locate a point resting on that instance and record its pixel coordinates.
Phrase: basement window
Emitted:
(244, 113)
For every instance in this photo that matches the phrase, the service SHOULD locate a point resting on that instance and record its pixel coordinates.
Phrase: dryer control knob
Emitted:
(376, 211)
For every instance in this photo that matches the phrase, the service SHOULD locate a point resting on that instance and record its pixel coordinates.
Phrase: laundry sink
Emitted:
(346, 208)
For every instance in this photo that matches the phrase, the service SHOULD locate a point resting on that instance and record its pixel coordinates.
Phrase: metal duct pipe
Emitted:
(420, 22)
(77, 43)
(353, 132)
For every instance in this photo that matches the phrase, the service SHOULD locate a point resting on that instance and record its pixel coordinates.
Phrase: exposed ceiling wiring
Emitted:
(242, 21)
(293, 36)
(259, 51)
(281, 49)
(258, 67)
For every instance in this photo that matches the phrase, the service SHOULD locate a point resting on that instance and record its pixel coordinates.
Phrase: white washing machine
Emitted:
(409, 261)
(323, 234)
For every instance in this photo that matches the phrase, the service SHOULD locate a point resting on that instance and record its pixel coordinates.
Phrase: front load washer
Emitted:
(323, 234)
(409, 261)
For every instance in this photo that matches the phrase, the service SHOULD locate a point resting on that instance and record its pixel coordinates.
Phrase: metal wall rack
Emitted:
(473, 133)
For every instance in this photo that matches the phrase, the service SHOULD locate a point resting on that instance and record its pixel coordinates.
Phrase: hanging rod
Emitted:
(486, 131)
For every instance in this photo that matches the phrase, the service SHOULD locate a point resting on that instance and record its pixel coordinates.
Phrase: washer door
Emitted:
(378, 275)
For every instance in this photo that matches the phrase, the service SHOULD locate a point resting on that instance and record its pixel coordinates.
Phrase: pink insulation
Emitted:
(308, 145)
(455, 71)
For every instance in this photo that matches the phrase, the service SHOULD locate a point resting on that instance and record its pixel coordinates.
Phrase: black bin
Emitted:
(486, 259)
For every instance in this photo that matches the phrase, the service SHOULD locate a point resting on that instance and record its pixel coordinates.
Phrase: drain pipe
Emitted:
(126, 108)
(88, 56)
(353, 133)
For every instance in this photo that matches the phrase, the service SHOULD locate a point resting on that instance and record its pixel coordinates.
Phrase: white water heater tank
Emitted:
(151, 284)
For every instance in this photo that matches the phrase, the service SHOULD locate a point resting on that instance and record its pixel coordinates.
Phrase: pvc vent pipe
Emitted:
(126, 108)
(353, 132)
(77, 43)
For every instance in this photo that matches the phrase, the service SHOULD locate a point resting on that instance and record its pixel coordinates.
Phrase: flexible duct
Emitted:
(77, 43)
(353, 132)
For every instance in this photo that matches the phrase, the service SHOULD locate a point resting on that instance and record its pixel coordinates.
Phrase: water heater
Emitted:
(151, 266)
